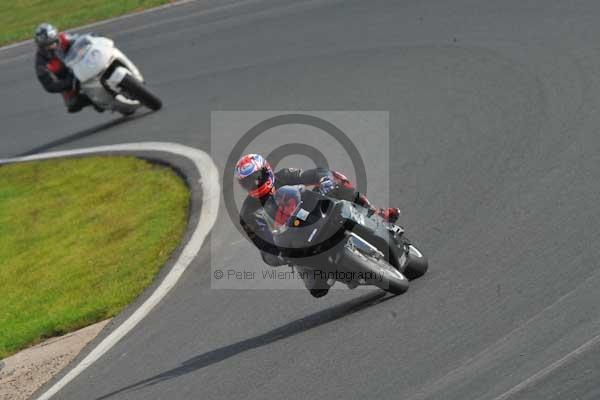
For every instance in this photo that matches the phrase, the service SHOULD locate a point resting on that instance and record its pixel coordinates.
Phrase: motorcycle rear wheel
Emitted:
(416, 265)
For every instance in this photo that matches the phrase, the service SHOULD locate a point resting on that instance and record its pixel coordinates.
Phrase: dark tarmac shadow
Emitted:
(288, 330)
(83, 134)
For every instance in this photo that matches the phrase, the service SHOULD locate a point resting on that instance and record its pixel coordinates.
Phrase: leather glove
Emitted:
(326, 185)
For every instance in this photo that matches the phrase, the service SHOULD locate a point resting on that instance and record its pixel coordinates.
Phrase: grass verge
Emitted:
(80, 239)
(19, 18)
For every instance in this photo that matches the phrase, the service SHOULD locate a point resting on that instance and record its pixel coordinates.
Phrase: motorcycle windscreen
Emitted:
(280, 208)
(78, 51)
(89, 57)
(300, 231)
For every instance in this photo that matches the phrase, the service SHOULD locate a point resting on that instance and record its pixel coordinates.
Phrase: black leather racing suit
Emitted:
(55, 77)
(251, 213)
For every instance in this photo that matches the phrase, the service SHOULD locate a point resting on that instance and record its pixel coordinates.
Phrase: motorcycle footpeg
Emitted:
(397, 230)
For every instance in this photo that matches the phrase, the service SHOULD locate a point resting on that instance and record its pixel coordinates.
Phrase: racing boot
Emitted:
(391, 214)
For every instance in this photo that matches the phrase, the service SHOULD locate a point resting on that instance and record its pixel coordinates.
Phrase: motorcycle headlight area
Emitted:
(93, 57)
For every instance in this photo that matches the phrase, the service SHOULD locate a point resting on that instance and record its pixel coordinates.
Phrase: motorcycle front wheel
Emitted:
(381, 273)
(138, 91)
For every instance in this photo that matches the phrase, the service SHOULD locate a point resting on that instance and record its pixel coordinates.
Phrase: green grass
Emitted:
(19, 18)
(80, 239)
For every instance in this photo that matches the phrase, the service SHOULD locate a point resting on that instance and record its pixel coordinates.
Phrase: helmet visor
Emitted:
(255, 180)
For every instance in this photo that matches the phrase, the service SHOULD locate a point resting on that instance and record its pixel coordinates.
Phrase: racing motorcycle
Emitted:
(342, 240)
(107, 76)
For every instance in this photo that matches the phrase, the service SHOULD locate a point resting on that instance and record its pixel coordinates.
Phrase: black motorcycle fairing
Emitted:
(320, 223)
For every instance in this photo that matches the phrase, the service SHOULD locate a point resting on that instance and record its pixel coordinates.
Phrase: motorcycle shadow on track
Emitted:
(84, 133)
(283, 332)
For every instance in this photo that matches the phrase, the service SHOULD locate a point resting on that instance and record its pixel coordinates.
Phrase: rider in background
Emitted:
(51, 71)
(256, 176)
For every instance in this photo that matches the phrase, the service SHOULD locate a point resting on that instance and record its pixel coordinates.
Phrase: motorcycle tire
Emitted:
(416, 263)
(387, 278)
(138, 91)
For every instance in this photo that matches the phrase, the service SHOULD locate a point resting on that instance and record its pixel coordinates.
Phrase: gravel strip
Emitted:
(23, 373)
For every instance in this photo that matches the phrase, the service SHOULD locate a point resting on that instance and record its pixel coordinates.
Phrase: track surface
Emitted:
(495, 162)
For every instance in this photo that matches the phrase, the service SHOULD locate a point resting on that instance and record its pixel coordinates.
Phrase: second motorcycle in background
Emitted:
(108, 77)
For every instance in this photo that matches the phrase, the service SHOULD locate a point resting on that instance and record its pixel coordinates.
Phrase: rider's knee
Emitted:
(73, 109)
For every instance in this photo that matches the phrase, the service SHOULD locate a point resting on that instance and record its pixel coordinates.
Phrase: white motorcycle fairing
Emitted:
(89, 58)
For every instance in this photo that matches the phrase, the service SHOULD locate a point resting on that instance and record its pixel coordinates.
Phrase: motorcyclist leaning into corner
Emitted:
(51, 71)
(254, 173)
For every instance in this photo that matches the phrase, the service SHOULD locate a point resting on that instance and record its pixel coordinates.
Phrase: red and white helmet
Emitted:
(255, 174)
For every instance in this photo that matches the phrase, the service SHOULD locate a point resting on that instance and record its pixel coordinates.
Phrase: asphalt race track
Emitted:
(494, 160)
